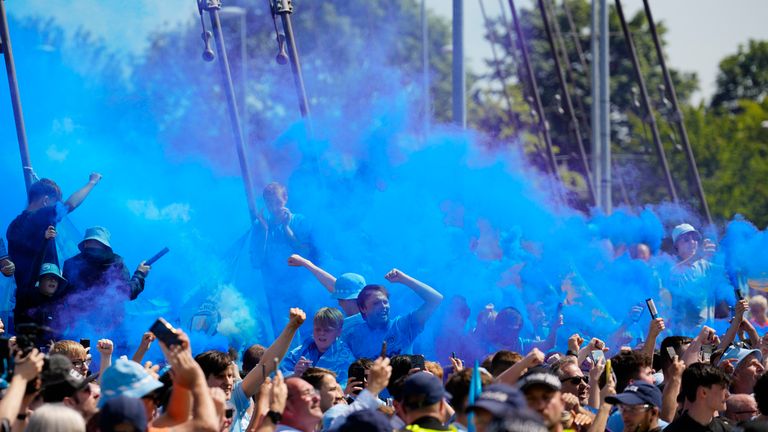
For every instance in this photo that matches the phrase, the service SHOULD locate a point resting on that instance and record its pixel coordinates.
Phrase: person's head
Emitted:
(747, 368)
(677, 343)
(740, 407)
(631, 366)
(639, 404)
(761, 394)
(485, 319)
(705, 386)
(536, 314)
(373, 302)
(126, 378)
(50, 279)
(324, 381)
(215, 366)
(423, 395)
(572, 379)
(43, 193)
(503, 360)
(62, 383)
(75, 352)
(507, 326)
(366, 420)
(434, 368)
(458, 386)
(251, 357)
(347, 287)
(326, 327)
(641, 252)
(302, 409)
(123, 414)
(95, 239)
(498, 402)
(757, 307)
(275, 198)
(542, 393)
(686, 240)
(55, 417)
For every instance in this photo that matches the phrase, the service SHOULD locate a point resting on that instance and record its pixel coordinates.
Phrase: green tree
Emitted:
(743, 75)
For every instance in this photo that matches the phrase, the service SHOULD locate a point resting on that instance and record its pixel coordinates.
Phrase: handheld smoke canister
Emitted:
(383, 349)
(652, 308)
(157, 256)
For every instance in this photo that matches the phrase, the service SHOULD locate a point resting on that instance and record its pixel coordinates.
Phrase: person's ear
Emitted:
(68, 402)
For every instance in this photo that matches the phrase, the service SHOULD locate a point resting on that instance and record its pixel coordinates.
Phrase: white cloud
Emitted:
(175, 212)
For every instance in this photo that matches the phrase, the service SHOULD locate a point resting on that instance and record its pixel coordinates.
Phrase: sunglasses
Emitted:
(576, 380)
(229, 413)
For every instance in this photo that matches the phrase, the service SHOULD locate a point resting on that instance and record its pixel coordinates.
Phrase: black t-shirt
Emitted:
(686, 424)
(27, 246)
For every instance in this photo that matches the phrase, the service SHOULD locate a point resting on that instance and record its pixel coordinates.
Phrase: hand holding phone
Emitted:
(652, 308)
(165, 332)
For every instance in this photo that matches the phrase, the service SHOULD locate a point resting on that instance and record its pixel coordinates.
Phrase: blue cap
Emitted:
(740, 354)
(52, 269)
(348, 286)
(126, 378)
(637, 394)
(683, 229)
(423, 389)
(366, 420)
(100, 234)
(500, 400)
(123, 409)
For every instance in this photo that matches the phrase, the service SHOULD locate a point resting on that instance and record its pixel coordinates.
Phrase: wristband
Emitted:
(274, 416)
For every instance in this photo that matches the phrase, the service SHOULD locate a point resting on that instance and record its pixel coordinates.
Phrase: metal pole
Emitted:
(497, 66)
(597, 152)
(284, 8)
(234, 115)
(543, 125)
(651, 119)
(459, 76)
(13, 84)
(574, 123)
(605, 108)
(677, 114)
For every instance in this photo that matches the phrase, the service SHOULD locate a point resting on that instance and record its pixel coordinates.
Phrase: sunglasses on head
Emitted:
(576, 380)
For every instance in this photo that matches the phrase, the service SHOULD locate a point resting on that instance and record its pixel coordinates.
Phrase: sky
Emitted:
(701, 32)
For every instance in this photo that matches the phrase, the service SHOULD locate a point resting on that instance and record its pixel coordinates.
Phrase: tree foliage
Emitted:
(743, 75)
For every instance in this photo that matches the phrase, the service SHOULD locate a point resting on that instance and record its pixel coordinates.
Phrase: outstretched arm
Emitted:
(326, 279)
(431, 297)
(79, 195)
(277, 350)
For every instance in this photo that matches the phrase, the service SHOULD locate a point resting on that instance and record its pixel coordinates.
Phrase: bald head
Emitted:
(740, 407)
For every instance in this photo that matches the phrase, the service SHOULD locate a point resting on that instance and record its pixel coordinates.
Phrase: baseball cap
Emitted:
(60, 379)
(366, 420)
(740, 354)
(126, 378)
(682, 229)
(540, 375)
(637, 394)
(423, 389)
(348, 286)
(121, 410)
(500, 400)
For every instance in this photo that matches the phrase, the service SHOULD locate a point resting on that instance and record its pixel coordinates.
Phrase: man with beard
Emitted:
(640, 405)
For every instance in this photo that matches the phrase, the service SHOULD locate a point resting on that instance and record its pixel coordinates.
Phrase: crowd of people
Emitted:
(699, 369)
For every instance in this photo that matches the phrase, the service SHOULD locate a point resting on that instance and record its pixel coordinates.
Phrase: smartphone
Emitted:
(165, 332)
(597, 355)
(86, 343)
(739, 297)
(357, 373)
(652, 308)
(706, 352)
(671, 352)
(417, 362)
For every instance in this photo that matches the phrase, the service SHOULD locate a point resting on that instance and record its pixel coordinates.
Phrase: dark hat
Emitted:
(60, 379)
(121, 410)
(423, 389)
(540, 375)
(637, 394)
(500, 400)
(366, 420)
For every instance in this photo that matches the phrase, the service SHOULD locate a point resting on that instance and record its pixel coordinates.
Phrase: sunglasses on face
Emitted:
(229, 413)
(576, 380)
